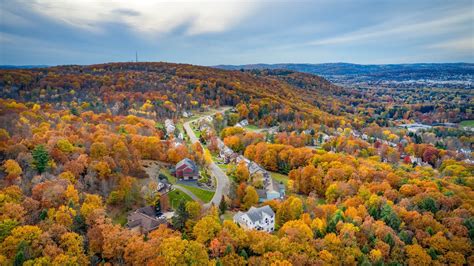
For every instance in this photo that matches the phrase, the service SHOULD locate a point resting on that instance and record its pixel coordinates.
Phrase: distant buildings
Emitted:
(187, 169)
(262, 218)
(415, 127)
(271, 190)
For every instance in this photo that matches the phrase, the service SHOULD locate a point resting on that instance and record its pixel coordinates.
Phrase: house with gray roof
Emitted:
(144, 220)
(262, 218)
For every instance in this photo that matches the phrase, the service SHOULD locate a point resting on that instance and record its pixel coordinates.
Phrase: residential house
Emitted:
(169, 126)
(262, 219)
(228, 155)
(272, 190)
(145, 220)
(187, 169)
(323, 138)
(416, 160)
(242, 123)
(187, 114)
(365, 137)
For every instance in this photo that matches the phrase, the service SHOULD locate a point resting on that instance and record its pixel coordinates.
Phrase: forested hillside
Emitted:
(361, 188)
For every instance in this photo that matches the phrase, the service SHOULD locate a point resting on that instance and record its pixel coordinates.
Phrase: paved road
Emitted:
(223, 183)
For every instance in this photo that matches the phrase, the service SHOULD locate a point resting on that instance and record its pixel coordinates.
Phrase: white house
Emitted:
(187, 114)
(169, 125)
(262, 219)
(244, 122)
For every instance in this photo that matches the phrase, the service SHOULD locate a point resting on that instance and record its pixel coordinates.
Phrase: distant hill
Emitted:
(172, 87)
(22, 67)
(422, 74)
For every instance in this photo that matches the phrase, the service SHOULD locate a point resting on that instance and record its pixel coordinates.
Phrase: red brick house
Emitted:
(187, 169)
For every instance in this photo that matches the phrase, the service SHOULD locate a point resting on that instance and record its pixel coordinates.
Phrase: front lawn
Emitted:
(175, 196)
(279, 177)
(202, 194)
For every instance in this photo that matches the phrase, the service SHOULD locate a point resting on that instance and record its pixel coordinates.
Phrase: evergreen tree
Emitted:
(244, 254)
(181, 216)
(222, 205)
(40, 158)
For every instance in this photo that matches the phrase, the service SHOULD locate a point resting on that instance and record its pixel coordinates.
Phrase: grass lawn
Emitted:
(180, 127)
(251, 127)
(204, 195)
(224, 167)
(228, 215)
(467, 123)
(197, 133)
(167, 173)
(279, 177)
(176, 196)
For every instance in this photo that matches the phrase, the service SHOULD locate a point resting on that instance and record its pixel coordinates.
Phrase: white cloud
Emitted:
(403, 28)
(147, 16)
(461, 45)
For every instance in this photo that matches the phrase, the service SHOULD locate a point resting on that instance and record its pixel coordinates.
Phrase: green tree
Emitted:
(181, 216)
(40, 158)
(222, 205)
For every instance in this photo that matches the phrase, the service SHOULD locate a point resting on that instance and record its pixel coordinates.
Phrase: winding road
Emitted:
(223, 183)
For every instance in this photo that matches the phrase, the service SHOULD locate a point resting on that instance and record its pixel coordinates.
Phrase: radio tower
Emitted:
(136, 56)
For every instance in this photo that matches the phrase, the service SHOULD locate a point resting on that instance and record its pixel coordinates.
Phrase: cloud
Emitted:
(404, 27)
(461, 45)
(147, 16)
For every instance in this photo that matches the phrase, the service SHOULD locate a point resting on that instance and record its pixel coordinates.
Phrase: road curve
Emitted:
(222, 181)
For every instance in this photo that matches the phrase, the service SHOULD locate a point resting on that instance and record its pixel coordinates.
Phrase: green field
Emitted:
(467, 123)
(204, 195)
(279, 177)
(176, 196)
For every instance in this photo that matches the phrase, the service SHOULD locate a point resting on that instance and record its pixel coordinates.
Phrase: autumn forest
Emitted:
(347, 175)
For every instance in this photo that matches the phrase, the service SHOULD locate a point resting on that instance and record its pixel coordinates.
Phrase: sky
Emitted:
(57, 32)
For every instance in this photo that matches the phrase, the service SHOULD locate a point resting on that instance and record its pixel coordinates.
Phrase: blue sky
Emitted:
(55, 32)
